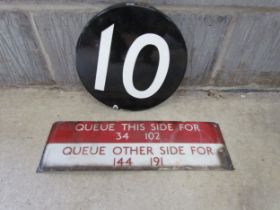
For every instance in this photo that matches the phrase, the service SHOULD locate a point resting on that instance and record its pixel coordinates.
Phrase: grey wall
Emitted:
(230, 42)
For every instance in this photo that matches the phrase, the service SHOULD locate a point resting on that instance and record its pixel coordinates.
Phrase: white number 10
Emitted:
(129, 63)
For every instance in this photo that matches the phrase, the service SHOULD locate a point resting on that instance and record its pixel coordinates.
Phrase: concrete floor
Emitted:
(249, 122)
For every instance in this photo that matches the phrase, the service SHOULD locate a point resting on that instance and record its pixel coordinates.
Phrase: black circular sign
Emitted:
(131, 56)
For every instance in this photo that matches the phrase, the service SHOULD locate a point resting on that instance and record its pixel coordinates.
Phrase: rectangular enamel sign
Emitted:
(135, 145)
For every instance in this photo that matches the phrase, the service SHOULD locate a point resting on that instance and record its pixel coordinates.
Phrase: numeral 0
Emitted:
(129, 63)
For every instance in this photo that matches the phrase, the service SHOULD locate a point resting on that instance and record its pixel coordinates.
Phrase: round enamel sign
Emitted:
(131, 56)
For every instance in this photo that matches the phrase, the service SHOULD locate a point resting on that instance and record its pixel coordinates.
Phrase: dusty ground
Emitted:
(249, 122)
